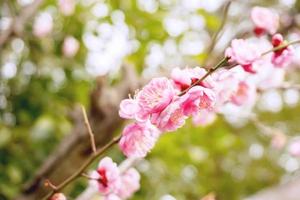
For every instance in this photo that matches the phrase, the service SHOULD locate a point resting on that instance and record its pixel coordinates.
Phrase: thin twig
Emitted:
(51, 185)
(90, 131)
(209, 72)
(216, 34)
(79, 172)
(224, 61)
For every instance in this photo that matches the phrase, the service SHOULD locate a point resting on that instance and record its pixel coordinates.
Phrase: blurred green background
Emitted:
(39, 86)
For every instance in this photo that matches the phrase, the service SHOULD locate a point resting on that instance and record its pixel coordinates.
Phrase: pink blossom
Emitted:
(155, 96)
(204, 118)
(265, 20)
(66, 7)
(129, 108)
(197, 98)
(58, 196)
(184, 78)
(227, 82)
(294, 148)
(42, 25)
(171, 118)
(130, 181)
(246, 93)
(243, 53)
(108, 176)
(138, 139)
(283, 56)
(70, 46)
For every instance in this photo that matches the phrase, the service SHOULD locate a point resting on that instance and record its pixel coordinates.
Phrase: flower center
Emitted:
(103, 180)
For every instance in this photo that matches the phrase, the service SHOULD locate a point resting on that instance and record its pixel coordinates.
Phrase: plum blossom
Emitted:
(170, 118)
(129, 108)
(197, 98)
(227, 82)
(107, 176)
(42, 25)
(243, 53)
(283, 56)
(245, 94)
(70, 46)
(184, 78)
(155, 96)
(138, 139)
(130, 181)
(294, 148)
(58, 196)
(265, 20)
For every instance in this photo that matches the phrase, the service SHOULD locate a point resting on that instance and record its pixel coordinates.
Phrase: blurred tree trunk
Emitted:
(76, 148)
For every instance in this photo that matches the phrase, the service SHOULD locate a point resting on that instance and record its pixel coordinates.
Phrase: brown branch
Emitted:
(75, 148)
(79, 172)
(18, 23)
(90, 131)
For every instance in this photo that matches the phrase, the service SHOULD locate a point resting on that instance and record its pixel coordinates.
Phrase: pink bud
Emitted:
(277, 39)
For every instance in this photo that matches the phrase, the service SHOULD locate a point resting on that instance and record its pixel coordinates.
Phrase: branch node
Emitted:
(90, 132)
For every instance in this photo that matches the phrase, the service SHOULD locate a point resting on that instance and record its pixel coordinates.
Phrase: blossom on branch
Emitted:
(138, 139)
(265, 20)
(244, 53)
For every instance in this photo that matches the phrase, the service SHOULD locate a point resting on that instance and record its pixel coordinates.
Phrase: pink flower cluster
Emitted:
(164, 104)
(114, 184)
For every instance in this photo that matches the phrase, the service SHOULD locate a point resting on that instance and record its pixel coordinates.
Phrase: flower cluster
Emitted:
(164, 104)
(112, 183)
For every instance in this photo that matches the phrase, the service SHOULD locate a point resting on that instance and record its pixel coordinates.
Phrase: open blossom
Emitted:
(171, 118)
(58, 196)
(129, 108)
(245, 94)
(138, 139)
(66, 7)
(294, 148)
(284, 56)
(70, 46)
(42, 25)
(227, 82)
(107, 175)
(197, 98)
(155, 96)
(184, 78)
(130, 180)
(265, 20)
(243, 53)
